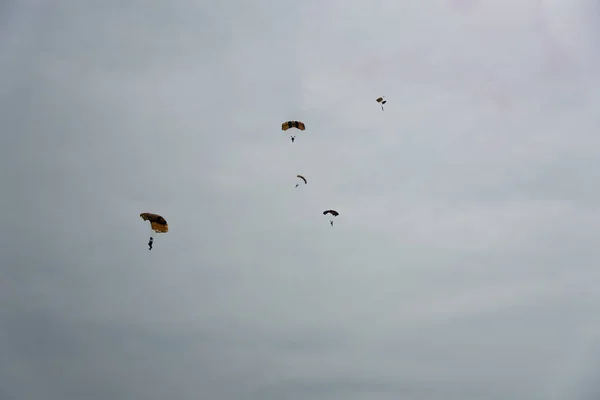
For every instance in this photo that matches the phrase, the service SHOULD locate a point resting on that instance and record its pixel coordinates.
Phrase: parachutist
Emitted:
(293, 124)
(296, 185)
(157, 224)
(333, 213)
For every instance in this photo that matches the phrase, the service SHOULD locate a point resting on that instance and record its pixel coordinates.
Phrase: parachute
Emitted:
(157, 223)
(332, 212)
(381, 101)
(292, 124)
(301, 177)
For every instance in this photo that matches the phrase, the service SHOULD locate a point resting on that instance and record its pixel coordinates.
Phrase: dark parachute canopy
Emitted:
(303, 178)
(293, 124)
(157, 222)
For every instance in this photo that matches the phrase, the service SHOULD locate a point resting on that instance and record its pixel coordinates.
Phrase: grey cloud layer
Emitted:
(463, 264)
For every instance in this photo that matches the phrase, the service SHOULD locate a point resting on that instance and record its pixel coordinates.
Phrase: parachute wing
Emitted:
(332, 212)
(303, 178)
(157, 222)
(293, 124)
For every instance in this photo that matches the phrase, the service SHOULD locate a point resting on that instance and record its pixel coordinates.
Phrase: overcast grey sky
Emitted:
(463, 265)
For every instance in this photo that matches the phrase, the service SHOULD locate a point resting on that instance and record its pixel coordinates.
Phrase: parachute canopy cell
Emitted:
(292, 124)
(332, 212)
(301, 177)
(157, 223)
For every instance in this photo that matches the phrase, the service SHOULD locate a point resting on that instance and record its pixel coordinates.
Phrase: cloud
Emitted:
(462, 265)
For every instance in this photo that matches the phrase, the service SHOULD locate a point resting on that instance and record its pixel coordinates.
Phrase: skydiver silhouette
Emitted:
(331, 222)
(296, 185)
(150, 243)
(293, 138)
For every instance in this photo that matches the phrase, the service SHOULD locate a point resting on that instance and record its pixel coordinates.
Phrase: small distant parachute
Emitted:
(157, 223)
(333, 213)
(303, 178)
(381, 101)
(293, 124)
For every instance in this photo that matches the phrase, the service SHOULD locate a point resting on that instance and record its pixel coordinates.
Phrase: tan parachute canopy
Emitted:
(293, 124)
(157, 223)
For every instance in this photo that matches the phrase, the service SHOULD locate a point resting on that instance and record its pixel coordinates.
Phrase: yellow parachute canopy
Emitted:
(157, 223)
(292, 124)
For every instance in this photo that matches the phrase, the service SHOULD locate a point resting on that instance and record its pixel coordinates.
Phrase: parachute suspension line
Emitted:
(294, 160)
(294, 128)
(151, 240)
(333, 215)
